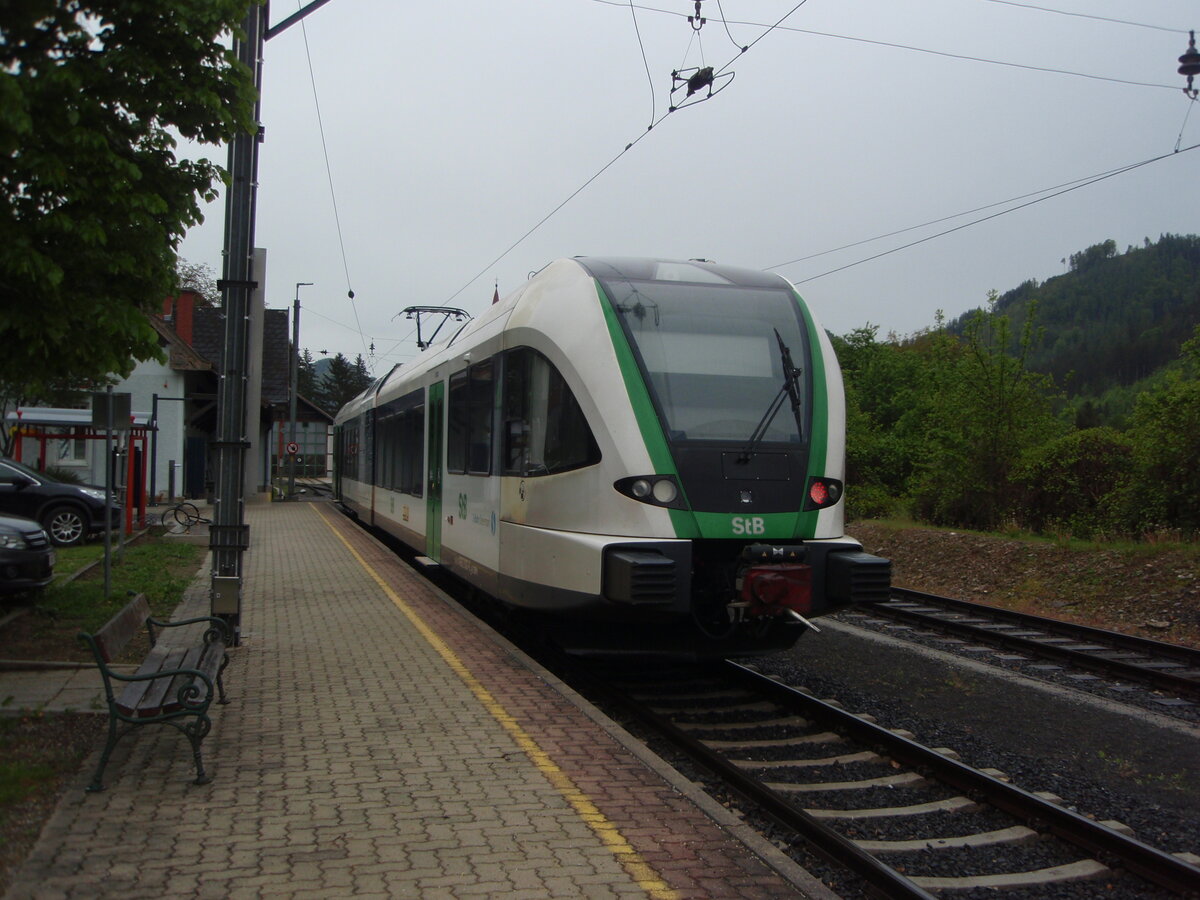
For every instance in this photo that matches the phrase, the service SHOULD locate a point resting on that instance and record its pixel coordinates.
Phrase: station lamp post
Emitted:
(295, 374)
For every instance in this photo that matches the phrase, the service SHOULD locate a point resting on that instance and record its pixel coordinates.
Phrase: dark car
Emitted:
(26, 557)
(68, 512)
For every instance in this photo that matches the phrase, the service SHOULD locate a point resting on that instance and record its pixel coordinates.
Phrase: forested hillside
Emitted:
(966, 424)
(1113, 320)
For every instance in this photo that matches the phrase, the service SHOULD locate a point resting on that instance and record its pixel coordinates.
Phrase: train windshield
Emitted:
(714, 357)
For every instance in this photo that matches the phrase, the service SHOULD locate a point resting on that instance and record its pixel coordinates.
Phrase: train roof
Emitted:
(694, 271)
(602, 268)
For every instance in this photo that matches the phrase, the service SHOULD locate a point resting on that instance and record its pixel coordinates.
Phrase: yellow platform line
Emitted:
(630, 860)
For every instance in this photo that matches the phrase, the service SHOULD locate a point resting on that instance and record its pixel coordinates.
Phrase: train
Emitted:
(644, 456)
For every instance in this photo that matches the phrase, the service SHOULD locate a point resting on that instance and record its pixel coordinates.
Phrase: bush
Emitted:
(869, 501)
(1075, 483)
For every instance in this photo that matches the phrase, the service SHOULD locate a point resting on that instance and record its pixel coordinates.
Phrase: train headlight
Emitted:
(664, 491)
(657, 490)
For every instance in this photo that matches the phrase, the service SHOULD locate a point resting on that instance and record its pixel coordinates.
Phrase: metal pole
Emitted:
(295, 378)
(153, 443)
(229, 535)
(108, 477)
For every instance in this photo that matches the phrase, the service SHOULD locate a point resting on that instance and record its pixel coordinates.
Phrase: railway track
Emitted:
(1169, 668)
(907, 819)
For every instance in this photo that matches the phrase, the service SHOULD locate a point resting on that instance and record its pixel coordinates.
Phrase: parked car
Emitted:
(26, 556)
(69, 512)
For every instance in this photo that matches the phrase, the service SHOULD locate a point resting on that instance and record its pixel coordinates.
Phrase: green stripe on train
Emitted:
(683, 521)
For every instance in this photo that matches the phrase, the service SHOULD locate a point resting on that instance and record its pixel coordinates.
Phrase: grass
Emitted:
(1152, 545)
(160, 569)
(41, 752)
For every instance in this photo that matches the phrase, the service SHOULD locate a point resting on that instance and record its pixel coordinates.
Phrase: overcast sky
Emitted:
(452, 128)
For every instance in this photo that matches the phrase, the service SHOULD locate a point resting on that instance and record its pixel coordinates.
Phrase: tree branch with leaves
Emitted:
(95, 200)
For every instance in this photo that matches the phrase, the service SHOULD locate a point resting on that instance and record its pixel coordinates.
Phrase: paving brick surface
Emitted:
(356, 760)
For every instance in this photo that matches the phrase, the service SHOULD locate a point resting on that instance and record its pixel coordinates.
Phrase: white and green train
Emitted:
(648, 452)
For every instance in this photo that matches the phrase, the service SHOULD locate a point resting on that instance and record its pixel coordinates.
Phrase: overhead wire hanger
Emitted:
(696, 79)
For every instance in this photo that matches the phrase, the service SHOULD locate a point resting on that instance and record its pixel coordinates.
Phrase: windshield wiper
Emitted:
(790, 389)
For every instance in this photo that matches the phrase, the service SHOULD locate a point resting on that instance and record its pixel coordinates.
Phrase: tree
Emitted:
(200, 279)
(1093, 255)
(984, 410)
(1074, 483)
(95, 201)
(306, 377)
(881, 381)
(1165, 433)
(343, 382)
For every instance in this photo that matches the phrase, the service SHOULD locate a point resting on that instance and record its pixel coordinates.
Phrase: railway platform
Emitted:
(380, 742)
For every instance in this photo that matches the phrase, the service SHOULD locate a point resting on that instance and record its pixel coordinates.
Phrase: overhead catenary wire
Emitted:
(1063, 12)
(725, 22)
(332, 193)
(645, 62)
(1186, 116)
(608, 165)
(913, 49)
(957, 215)
(1073, 186)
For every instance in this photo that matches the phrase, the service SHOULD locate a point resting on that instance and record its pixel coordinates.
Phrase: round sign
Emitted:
(293, 448)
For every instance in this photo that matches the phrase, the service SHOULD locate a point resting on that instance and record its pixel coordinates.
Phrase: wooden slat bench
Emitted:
(173, 685)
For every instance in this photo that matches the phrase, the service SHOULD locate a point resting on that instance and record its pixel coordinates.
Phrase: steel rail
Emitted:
(1130, 671)
(1154, 865)
(827, 841)
(1149, 646)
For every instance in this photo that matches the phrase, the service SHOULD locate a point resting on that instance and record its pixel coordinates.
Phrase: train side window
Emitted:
(469, 420)
(400, 427)
(412, 451)
(514, 411)
(458, 418)
(479, 431)
(545, 430)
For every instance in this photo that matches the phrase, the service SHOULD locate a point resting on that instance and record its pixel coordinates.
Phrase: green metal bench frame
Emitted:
(173, 685)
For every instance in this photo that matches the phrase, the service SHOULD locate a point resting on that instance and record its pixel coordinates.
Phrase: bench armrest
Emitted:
(189, 694)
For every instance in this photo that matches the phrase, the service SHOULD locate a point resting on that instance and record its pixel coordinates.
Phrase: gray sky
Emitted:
(453, 128)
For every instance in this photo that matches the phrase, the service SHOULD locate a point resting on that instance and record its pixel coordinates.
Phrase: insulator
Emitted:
(1189, 63)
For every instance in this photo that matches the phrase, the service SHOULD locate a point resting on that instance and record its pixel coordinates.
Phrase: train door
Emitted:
(337, 462)
(433, 503)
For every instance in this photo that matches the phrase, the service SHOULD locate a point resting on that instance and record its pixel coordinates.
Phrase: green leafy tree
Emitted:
(883, 438)
(95, 202)
(983, 410)
(1164, 490)
(1073, 483)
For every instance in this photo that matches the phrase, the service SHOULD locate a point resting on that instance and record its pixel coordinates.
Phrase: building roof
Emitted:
(180, 356)
(63, 418)
(208, 339)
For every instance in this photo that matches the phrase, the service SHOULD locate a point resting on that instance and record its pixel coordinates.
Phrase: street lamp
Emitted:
(295, 378)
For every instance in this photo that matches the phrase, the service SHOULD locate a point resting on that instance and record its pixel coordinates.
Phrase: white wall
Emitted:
(150, 378)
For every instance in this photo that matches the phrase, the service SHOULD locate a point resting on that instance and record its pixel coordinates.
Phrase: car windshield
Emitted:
(713, 356)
